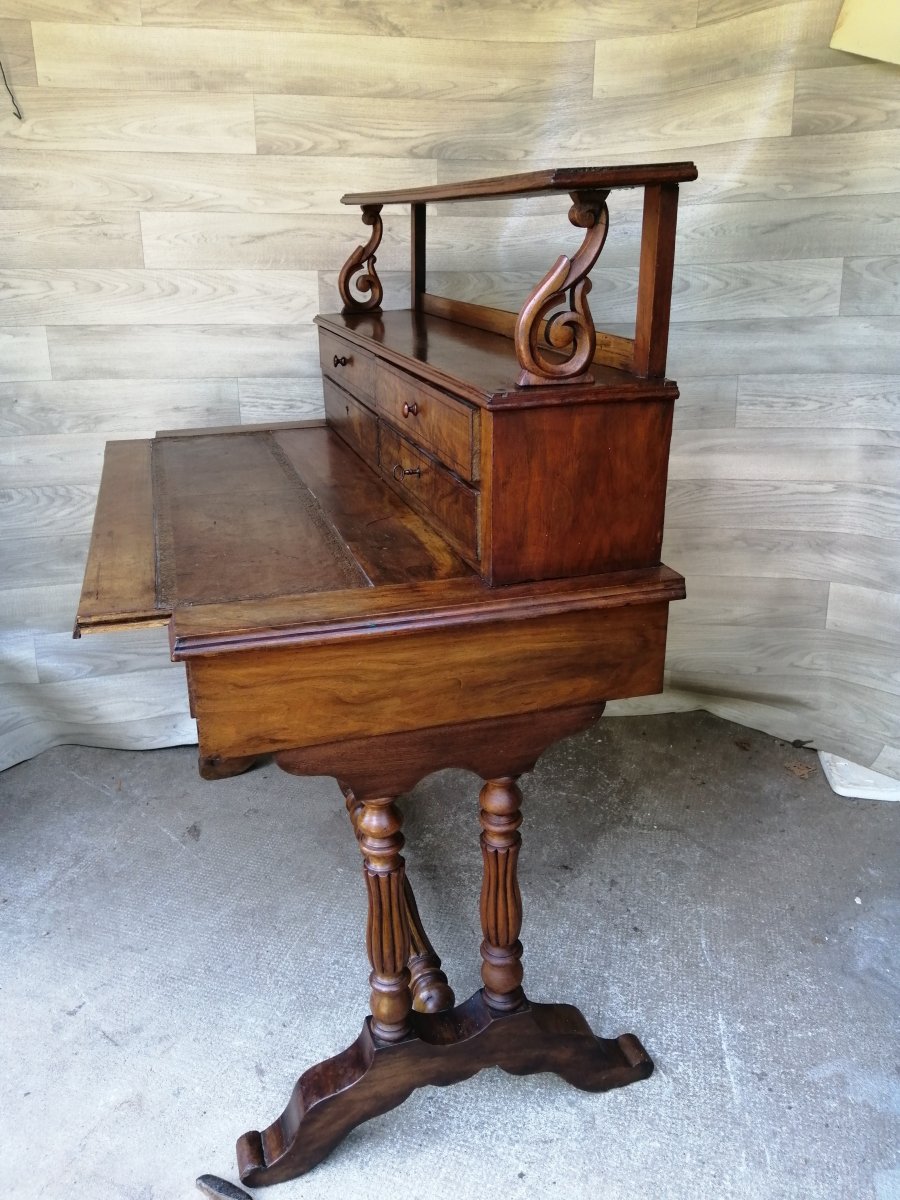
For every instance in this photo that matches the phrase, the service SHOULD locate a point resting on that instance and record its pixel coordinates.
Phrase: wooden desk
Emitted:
(457, 568)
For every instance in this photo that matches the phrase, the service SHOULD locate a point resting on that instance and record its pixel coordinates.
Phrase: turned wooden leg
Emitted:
(387, 929)
(430, 990)
(501, 901)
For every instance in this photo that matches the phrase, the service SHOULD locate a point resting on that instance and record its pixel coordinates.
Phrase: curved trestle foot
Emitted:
(372, 1077)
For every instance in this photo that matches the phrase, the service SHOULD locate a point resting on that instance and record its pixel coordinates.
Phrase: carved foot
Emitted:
(226, 768)
(371, 1077)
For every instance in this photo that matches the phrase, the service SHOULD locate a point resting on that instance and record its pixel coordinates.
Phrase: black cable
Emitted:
(15, 105)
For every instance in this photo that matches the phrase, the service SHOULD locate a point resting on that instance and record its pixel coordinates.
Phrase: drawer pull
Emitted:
(411, 410)
(399, 471)
(342, 361)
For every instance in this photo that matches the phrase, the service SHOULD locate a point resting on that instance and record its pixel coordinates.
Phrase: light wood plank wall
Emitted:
(170, 224)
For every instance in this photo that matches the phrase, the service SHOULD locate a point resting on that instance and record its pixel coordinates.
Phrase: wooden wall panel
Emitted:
(847, 100)
(38, 238)
(157, 181)
(85, 119)
(172, 220)
(23, 353)
(268, 240)
(178, 351)
(17, 52)
(755, 43)
(871, 285)
(153, 297)
(308, 64)
(502, 21)
(501, 131)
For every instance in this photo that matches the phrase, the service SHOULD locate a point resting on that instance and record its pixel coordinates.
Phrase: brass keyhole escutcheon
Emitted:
(410, 410)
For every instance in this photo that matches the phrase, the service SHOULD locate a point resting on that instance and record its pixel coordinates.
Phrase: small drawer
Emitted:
(355, 423)
(431, 490)
(429, 418)
(351, 367)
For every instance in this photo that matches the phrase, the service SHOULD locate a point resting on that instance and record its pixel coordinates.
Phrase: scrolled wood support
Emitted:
(565, 286)
(501, 900)
(358, 272)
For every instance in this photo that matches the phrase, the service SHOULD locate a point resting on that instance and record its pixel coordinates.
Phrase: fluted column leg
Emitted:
(501, 901)
(387, 929)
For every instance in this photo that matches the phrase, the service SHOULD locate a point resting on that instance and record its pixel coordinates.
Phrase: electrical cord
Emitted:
(15, 104)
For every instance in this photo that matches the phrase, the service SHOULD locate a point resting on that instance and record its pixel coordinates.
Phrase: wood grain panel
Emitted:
(814, 455)
(724, 291)
(821, 344)
(18, 663)
(305, 242)
(307, 64)
(771, 553)
(724, 10)
(178, 351)
(101, 12)
(54, 458)
(294, 399)
(17, 53)
(43, 509)
(842, 99)
(503, 21)
(46, 608)
(835, 401)
(871, 285)
(59, 657)
(85, 119)
(158, 297)
(35, 562)
(38, 238)
(866, 612)
(159, 181)
(104, 407)
(854, 507)
(500, 131)
(23, 353)
(791, 36)
(706, 403)
(763, 603)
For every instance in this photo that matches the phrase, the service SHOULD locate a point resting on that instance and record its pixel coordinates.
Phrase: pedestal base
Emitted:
(370, 1077)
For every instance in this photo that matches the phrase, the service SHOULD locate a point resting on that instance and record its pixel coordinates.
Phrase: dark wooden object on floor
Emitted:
(457, 568)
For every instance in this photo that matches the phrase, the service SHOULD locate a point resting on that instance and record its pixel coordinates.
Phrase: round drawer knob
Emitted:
(340, 362)
(410, 410)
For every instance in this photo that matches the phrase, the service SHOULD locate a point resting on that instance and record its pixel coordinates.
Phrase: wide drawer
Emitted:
(347, 364)
(354, 422)
(430, 418)
(431, 490)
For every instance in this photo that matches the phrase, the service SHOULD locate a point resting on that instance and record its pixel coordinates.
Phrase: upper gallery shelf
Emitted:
(534, 183)
(553, 331)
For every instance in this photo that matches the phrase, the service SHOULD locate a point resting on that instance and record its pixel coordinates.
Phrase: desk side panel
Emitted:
(257, 701)
(119, 589)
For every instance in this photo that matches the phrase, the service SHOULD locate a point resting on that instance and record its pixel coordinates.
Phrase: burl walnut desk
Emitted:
(457, 567)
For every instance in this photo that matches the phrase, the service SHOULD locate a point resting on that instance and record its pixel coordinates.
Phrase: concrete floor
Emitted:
(174, 952)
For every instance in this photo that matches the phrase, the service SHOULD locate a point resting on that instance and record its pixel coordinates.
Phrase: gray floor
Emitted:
(174, 952)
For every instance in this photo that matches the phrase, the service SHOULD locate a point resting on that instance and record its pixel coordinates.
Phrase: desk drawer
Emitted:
(355, 423)
(351, 367)
(431, 490)
(429, 418)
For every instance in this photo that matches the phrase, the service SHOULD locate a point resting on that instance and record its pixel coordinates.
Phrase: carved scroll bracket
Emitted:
(358, 272)
(564, 287)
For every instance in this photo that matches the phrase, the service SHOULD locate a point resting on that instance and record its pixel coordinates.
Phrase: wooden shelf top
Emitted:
(535, 183)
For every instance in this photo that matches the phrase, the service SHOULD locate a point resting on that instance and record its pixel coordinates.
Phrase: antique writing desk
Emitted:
(458, 567)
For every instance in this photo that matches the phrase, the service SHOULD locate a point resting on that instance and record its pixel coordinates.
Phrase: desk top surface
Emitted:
(264, 535)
